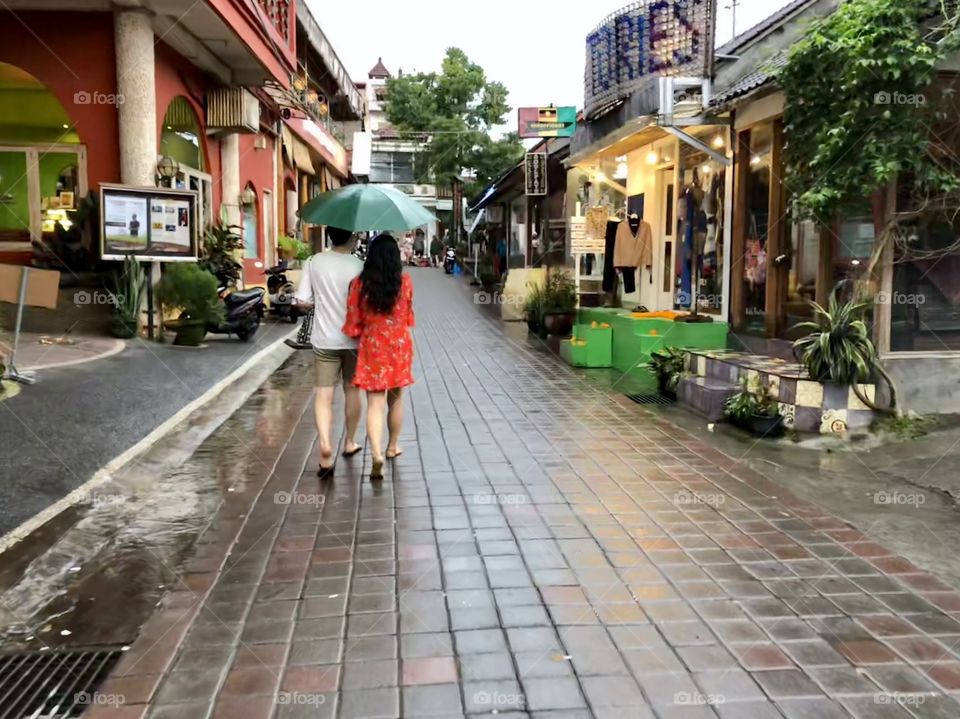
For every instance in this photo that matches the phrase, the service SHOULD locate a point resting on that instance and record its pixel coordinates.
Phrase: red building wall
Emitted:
(256, 170)
(72, 53)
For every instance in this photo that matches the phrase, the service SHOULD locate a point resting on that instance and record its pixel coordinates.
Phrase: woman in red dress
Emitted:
(380, 314)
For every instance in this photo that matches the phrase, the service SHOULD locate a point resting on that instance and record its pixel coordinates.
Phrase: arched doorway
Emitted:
(248, 222)
(43, 165)
(181, 138)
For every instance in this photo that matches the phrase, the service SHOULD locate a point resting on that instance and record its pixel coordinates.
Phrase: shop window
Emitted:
(700, 218)
(395, 167)
(754, 271)
(804, 258)
(14, 197)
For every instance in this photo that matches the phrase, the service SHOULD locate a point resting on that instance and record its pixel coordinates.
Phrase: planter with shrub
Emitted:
(191, 291)
(559, 304)
(668, 365)
(220, 250)
(533, 309)
(755, 409)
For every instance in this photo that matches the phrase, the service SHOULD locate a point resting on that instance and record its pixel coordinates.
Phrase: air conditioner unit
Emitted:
(233, 108)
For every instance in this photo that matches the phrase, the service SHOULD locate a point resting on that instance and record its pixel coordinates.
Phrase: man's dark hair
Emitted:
(338, 237)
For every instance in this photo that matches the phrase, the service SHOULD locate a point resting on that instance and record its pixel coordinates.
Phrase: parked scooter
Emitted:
(449, 260)
(281, 291)
(243, 309)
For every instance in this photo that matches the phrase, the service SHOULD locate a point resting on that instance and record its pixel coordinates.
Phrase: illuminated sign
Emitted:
(645, 40)
(547, 121)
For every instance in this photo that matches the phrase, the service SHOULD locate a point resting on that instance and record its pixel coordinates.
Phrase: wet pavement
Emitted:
(544, 548)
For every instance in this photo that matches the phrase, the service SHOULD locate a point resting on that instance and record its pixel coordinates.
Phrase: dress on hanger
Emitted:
(633, 249)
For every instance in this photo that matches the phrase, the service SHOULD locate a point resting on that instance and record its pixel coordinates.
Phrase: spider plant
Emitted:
(838, 347)
(667, 365)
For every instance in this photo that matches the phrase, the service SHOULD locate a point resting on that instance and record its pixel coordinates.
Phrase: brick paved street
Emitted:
(541, 549)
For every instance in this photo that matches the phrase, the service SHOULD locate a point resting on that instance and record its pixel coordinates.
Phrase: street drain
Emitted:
(657, 399)
(53, 685)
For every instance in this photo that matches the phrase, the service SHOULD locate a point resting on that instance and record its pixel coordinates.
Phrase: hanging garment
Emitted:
(634, 246)
(609, 271)
(629, 278)
(597, 222)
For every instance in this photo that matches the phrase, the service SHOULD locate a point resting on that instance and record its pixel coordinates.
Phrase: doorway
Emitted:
(665, 237)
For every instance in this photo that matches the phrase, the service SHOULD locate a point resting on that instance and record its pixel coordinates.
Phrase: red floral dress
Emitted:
(385, 352)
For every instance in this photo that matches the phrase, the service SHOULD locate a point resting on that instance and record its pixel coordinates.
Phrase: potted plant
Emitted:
(127, 298)
(221, 245)
(559, 304)
(668, 365)
(293, 249)
(192, 291)
(533, 308)
(838, 348)
(755, 409)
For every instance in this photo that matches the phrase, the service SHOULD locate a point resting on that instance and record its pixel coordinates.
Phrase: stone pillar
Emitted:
(137, 111)
(230, 182)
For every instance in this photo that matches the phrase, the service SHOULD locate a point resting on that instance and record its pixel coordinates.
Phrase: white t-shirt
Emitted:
(325, 285)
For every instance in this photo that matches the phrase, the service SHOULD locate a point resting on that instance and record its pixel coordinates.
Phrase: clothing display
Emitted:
(385, 350)
(609, 272)
(597, 221)
(634, 244)
(629, 279)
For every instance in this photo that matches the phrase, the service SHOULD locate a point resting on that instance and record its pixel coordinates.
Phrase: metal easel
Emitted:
(12, 373)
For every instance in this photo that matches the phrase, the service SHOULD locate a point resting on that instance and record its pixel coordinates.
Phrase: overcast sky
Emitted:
(536, 49)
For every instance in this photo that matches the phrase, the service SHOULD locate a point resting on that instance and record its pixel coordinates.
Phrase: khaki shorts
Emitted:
(330, 365)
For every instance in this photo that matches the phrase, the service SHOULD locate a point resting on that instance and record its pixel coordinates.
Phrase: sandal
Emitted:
(394, 455)
(376, 469)
(326, 472)
(352, 452)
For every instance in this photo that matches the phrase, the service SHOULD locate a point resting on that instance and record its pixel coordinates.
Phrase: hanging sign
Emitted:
(148, 223)
(535, 171)
(645, 40)
(547, 121)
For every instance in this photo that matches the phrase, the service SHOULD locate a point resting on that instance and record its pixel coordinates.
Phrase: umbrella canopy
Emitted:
(359, 208)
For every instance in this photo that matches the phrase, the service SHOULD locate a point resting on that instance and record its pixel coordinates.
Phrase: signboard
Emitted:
(148, 223)
(547, 121)
(535, 172)
(645, 40)
(42, 288)
(580, 242)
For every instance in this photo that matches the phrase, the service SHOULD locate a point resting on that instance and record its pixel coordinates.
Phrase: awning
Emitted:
(322, 142)
(297, 151)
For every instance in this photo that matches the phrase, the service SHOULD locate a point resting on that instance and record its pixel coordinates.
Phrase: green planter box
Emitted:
(596, 353)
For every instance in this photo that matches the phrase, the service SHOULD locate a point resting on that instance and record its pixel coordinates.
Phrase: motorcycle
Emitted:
(243, 309)
(449, 260)
(281, 291)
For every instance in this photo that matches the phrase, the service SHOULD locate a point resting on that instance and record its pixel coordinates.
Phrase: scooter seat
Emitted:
(241, 296)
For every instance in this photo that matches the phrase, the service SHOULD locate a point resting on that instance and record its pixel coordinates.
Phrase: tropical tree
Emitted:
(454, 114)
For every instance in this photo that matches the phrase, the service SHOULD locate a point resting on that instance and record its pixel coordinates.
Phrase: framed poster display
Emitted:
(148, 223)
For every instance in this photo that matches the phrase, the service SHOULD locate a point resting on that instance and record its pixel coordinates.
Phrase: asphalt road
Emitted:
(57, 433)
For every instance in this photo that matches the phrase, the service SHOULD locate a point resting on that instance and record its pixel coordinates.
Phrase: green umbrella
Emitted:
(365, 207)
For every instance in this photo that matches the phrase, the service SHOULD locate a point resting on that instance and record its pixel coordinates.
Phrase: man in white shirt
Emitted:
(325, 285)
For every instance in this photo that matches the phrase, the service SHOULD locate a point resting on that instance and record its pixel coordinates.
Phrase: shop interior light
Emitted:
(756, 160)
(718, 142)
(622, 172)
(167, 167)
(707, 169)
(652, 157)
(66, 126)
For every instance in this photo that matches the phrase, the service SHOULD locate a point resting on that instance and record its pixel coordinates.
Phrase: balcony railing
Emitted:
(279, 13)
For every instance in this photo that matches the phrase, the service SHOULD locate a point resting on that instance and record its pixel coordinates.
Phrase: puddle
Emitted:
(93, 575)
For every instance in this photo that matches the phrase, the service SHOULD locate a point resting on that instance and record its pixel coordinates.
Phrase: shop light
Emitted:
(718, 142)
(66, 126)
(855, 262)
(622, 172)
(755, 160)
(652, 157)
(707, 169)
(167, 167)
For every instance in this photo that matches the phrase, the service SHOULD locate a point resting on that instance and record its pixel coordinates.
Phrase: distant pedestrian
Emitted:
(380, 315)
(436, 251)
(324, 287)
(419, 244)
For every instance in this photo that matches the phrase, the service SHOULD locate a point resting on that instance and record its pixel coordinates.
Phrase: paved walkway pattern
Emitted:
(541, 549)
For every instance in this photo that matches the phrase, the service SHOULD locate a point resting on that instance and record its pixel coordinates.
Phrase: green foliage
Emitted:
(293, 249)
(906, 426)
(838, 347)
(218, 254)
(192, 290)
(668, 365)
(457, 109)
(534, 306)
(128, 296)
(850, 122)
(754, 399)
(559, 292)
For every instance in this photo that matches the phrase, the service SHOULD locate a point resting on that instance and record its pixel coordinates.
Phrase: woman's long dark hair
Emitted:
(382, 273)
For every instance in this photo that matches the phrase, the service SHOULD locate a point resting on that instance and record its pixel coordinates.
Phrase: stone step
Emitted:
(707, 396)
